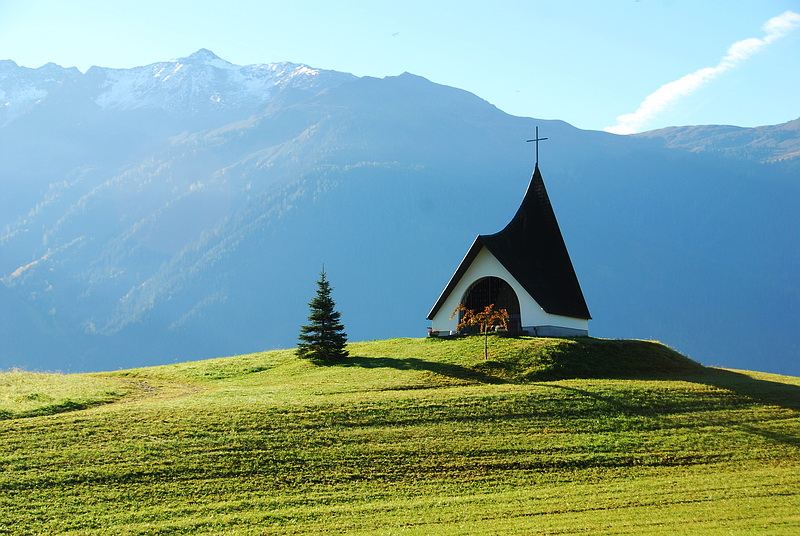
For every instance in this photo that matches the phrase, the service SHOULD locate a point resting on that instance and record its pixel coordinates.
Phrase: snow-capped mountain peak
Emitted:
(205, 57)
(22, 88)
(202, 54)
(199, 83)
(203, 81)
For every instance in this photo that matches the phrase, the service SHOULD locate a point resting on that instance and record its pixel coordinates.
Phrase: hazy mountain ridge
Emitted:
(147, 235)
(770, 143)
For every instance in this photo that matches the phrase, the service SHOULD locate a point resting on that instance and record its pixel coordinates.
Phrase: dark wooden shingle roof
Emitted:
(532, 249)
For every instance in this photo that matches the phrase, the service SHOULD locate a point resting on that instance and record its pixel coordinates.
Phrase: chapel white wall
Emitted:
(485, 265)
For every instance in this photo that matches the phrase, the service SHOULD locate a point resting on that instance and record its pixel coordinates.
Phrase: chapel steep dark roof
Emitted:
(532, 249)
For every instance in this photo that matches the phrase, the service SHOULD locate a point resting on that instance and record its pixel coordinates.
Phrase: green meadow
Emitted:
(407, 436)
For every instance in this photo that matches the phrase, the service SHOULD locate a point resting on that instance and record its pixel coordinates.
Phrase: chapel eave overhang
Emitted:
(472, 252)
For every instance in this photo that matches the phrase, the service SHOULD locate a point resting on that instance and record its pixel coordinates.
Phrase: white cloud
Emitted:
(654, 103)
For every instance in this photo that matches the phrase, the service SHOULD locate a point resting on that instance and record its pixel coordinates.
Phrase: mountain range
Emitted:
(184, 209)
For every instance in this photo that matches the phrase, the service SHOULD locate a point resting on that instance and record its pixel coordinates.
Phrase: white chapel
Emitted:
(525, 269)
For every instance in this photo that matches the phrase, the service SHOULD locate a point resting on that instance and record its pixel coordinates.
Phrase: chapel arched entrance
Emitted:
(493, 290)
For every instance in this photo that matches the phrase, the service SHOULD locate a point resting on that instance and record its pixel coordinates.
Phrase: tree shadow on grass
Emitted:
(413, 363)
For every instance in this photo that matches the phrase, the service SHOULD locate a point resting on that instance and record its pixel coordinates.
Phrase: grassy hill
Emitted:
(413, 436)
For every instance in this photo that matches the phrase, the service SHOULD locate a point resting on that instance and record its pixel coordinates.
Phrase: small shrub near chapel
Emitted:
(484, 320)
(323, 339)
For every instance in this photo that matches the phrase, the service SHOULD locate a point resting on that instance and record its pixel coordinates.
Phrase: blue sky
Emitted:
(585, 62)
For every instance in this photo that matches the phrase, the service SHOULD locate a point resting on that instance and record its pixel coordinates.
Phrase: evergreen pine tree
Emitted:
(323, 339)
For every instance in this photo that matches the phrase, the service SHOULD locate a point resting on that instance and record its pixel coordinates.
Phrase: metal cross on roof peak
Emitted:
(537, 139)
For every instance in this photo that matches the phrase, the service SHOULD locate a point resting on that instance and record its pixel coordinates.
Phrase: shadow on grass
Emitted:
(648, 360)
(52, 409)
(622, 360)
(759, 391)
(588, 358)
(765, 392)
(413, 363)
(744, 387)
